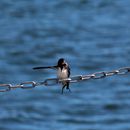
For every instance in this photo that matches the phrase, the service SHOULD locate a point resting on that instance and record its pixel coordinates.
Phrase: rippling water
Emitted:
(92, 35)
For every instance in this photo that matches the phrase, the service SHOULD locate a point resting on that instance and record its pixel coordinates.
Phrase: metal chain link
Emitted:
(73, 79)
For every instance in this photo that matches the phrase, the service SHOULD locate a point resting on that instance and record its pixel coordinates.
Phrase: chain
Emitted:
(73, 79)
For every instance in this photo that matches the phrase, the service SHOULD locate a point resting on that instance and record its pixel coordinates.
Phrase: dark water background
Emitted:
(93, 35)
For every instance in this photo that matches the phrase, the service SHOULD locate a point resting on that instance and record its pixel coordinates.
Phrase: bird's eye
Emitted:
(64, 64)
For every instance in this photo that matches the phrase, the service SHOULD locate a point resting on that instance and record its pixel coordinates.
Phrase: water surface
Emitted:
(92, 36)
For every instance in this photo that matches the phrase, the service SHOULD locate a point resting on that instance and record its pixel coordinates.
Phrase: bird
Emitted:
(63, 72)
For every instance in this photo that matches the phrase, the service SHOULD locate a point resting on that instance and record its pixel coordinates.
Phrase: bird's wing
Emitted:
(68, 71)
(46, 67)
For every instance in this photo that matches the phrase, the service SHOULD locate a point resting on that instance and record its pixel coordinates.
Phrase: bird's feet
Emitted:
(66, 88)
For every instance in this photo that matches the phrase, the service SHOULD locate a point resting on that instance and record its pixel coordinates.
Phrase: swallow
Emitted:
(63, 72)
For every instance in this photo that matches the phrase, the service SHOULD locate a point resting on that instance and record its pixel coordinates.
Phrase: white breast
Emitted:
(62, 73)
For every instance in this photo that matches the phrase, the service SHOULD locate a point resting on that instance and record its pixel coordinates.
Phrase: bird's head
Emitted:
(61, 63)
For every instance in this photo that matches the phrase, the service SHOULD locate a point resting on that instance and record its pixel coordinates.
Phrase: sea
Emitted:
(92, 36)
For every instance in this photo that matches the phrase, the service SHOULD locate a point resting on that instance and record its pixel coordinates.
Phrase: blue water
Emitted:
(92, 35)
